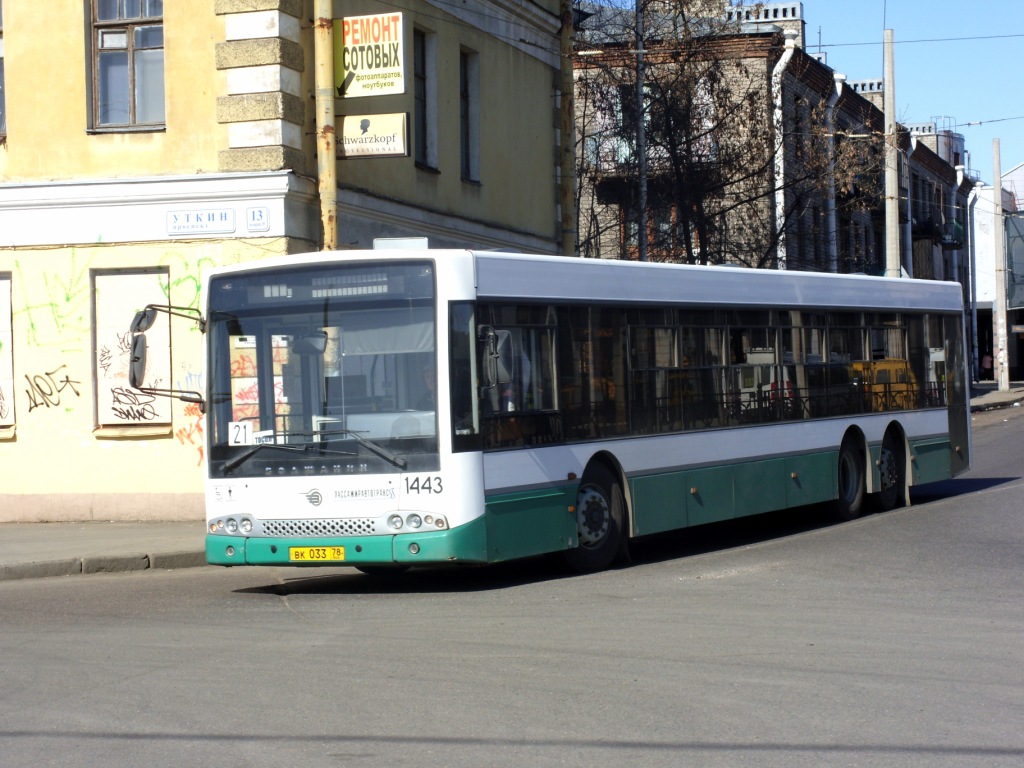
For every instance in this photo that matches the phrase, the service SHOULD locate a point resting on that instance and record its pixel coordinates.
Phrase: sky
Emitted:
(967, 69)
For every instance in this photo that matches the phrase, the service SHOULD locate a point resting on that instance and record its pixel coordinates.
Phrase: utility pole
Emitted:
(892, 181)
(641, 137)
(1001, 370)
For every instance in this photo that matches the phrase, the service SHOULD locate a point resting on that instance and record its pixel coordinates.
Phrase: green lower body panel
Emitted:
(710, 494)
(931, 461)
(528, 523)
(464, 544)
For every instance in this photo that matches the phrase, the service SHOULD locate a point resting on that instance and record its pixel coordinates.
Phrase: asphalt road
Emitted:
(895, 640)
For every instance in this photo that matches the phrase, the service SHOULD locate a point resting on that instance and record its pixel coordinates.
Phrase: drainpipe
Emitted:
(566, 112)
(326, 156)
(952, 220)
(906, 246)
(778, 126)
(830, 148)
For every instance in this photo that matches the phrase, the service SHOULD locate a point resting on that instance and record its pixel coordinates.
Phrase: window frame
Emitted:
(3, 87)
(132, 52)
(8, 413)
(469, 115)
(425, 99)
(118, 408)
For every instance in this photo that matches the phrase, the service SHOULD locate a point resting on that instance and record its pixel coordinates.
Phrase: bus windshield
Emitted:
(323, 370)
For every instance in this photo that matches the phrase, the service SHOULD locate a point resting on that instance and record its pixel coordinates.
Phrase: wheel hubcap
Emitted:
(593, 517)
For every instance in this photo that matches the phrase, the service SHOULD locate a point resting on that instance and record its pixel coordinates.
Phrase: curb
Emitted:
(982, 407)
(102, 564)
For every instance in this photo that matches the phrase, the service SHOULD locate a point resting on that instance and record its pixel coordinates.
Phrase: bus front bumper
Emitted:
(465, 544)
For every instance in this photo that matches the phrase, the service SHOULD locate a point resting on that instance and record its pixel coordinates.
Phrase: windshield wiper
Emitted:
(243, 457)
(369, 445)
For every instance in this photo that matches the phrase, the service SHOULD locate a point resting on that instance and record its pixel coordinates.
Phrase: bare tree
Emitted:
(714, 193)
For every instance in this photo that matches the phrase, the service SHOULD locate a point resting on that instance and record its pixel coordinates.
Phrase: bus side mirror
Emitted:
(143, 320)
(503, 356)
(137, 363)
(497, 356)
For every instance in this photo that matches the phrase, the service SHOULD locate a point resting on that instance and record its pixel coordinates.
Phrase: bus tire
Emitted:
(850, 475)
(600, 521)
(891, 473)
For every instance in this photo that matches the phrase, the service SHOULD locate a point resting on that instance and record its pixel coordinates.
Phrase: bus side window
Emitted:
(462, 346)
(526, 371)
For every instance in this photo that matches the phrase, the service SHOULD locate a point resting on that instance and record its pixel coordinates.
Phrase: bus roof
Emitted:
(561, 279)
(539, 278)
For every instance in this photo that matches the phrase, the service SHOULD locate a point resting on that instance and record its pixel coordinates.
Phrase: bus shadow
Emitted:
(729, 534)
(960, 486)
(428, 580)
(648, 550)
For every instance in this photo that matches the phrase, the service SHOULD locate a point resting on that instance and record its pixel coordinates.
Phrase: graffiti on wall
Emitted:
(186, 279)
(60, 316)
(47, 389)
(133, 406)
(192, 433)
(72, 309)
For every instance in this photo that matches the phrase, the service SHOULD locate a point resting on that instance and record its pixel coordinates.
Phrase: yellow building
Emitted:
(142, 142)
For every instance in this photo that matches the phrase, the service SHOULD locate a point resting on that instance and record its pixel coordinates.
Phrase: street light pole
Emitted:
(892, 184)
(999, 358)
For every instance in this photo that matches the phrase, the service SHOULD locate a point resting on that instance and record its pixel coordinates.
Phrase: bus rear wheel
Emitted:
(600, 521)
(850, 502)
(891, 473)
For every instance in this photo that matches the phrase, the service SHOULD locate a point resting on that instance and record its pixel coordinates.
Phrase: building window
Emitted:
(425, 106)
(128, 63)
(6, 356)
(469, 115)
(117, 296)
(3, 108)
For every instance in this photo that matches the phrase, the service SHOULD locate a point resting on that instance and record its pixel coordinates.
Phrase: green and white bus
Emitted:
(387, 409)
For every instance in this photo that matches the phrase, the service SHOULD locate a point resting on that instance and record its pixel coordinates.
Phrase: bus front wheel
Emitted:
(600, 521)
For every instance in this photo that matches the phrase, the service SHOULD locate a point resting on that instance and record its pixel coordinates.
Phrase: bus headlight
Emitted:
(246, 525)
(231, 525)
(414, 521)
(396, 522)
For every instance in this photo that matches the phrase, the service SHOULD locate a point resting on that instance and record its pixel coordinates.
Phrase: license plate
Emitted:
(316, 554)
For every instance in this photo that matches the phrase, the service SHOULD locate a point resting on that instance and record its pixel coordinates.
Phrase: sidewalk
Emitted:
(33, 550)
(985, 396)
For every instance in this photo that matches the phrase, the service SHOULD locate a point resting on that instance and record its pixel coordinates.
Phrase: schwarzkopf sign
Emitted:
(372, 136)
